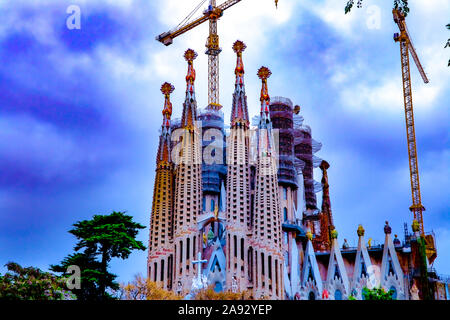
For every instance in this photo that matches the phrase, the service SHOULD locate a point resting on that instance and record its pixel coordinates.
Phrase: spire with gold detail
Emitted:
(164, 143)
(189, 115)
(238, 176)
(239, 112)
(264, 73)
(188, 184)
(160, 248)
(267, 212)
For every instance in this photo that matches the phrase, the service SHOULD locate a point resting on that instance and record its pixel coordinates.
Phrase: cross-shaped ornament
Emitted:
(199, 267)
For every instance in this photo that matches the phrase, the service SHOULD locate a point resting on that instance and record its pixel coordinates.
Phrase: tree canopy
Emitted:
(31, 283)
(104, 237)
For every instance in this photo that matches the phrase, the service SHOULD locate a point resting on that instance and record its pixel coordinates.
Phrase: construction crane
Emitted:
(213, 13)
(406, 47)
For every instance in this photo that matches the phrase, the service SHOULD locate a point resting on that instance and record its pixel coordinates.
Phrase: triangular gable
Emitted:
(390, 260)
(336, 265)
(217, 257)
(310, 266)
(362, 256)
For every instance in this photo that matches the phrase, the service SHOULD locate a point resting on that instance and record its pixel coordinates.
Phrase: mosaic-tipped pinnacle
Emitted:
(264, 73)
(360, 231)
(324, 165)
(239, 46)
(190, 55)
(167, 88)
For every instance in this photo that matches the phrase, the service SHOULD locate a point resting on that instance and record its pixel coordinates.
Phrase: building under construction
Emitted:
(239, 212)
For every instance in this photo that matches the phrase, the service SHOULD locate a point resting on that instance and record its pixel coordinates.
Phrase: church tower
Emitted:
(160, 257)
(188, 187)
(268, 258)
(238, 183)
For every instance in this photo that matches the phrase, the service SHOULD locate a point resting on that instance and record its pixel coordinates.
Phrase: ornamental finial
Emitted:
(387, 228)
(361, 231)
(309, 235)
(264, 73)
(167, 89)
(190, 55)
(239, 47)
(334, 234)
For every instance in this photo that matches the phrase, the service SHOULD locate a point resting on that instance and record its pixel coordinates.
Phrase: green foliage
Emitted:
(105, 237)
(377, 294)
(91, 274)
(32, 284)
(402, 5)
(351, 297)
(426, 289)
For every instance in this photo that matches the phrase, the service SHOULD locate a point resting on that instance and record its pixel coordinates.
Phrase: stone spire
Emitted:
(160, 253)
(164, 144)
(267, 213)
(239, 112)
(264, 73)
(238, 181)
(188, 190)
(189, 115)
(323, 241)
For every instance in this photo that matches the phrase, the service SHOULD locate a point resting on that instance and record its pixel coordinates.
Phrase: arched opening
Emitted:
(394, 293)
(311, 296)
(338, 295)
(218, 287)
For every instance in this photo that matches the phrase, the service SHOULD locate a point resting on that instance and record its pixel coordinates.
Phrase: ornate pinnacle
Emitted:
(190, 55)
(324, 165)
(309, 235)
(264, 73)
(361, 231)
(334, 234)
(239, 47)
(387, 228)
(167, 89)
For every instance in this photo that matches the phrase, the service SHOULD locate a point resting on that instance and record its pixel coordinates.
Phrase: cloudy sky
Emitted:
(80, 110)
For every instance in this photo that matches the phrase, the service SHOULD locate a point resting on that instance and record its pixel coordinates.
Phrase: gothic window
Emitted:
(337, 275)
(391, 267)
(338, 295)
(285, 214)
(394, 294)
(363, 269)
(311, 296)
(310, 274)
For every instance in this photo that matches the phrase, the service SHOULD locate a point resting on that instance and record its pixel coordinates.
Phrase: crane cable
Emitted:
(185, 21)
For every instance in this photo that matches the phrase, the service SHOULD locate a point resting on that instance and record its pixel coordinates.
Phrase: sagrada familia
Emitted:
(238, 211)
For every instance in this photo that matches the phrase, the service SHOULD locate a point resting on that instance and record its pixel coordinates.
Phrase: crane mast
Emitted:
(406, 47)
(213, 51)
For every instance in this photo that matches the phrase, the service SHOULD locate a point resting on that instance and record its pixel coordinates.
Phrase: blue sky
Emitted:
(80, 110)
